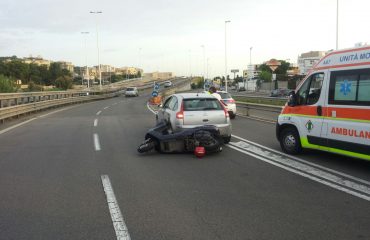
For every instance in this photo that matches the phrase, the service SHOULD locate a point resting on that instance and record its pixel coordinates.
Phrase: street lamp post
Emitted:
(87, 71)
(141, 77)
(250, 55)
(207, 67)
(226, 22)
(204, 62)
(337, 24)
(97, 44)
(190, 73)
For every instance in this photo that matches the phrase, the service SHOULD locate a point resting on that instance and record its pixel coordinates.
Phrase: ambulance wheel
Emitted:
(290, 141)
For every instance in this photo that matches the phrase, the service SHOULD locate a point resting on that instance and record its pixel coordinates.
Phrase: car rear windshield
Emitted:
(202, 104)
(130, 89)
(224, 95)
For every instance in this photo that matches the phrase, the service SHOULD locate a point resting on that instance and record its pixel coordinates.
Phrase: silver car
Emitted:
(131, 92)
(189, 110)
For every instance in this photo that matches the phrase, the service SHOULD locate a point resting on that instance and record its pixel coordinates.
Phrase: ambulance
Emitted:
(330, 109)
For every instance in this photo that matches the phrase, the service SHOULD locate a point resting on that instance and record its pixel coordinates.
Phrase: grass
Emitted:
(274, 102)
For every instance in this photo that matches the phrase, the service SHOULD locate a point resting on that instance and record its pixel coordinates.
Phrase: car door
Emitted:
(161, 113)
(309, 109)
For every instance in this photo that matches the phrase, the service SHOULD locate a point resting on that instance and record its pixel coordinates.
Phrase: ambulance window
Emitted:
(351, 87)
(310, 91)
(364, 88)
(345, 88)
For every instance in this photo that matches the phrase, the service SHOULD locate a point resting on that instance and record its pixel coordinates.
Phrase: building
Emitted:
(66, 65)
(307, 60)
(39, 61)
(251, 72)
(132, 71)
(159, 75)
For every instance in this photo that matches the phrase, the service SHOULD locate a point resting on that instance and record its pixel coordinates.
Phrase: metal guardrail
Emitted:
(17, 110)
(259, 111)
(16, 104)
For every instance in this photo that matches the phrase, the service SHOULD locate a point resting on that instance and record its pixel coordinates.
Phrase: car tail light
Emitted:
(226, 112)
(180, 114)
(200, 152)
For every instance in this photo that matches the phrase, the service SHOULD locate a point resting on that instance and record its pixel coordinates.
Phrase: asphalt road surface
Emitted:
(51, 171)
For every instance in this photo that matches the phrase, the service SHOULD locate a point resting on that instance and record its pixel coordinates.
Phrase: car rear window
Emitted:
(202, 104)
(224, 95)
(130, 89)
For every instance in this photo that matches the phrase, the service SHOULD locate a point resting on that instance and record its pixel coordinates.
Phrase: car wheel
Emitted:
(290, 141)
(227, 139)
(232, 115)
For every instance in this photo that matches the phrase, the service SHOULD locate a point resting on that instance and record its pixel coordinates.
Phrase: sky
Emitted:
(167, 35)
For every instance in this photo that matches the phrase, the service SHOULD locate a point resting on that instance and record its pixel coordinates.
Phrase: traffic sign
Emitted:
(155, 94)
(156, 87)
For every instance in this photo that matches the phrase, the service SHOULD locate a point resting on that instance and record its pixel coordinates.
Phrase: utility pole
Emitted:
(97, 44)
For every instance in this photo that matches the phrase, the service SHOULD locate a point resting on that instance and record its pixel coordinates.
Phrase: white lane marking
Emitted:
(96, 142)
(17, 125)
(96, 122)
(32, 119)
(150, 109)
(301, 169)
(303, 161)
(114, 104)
(98, 113)
(115, 212)
(106, 107)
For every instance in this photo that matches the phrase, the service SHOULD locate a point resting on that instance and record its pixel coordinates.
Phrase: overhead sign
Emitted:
(235, 70)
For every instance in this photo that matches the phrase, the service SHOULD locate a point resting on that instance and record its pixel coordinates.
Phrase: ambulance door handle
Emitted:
(319, 110)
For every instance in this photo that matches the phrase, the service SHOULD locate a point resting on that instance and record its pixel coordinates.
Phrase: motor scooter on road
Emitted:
(186, 140)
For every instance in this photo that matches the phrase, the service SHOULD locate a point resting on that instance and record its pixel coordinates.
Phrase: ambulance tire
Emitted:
(290, 141)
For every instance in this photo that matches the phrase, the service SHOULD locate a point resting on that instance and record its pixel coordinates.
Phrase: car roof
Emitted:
(194, 95)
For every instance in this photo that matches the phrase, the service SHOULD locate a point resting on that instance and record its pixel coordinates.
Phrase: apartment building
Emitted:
(307, 60)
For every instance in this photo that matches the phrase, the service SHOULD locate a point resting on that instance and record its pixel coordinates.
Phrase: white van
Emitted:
(330, 109)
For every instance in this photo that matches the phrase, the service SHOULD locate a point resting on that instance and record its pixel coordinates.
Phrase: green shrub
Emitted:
(7, 85)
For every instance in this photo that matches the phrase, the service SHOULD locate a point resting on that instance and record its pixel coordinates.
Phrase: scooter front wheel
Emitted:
(146, 146)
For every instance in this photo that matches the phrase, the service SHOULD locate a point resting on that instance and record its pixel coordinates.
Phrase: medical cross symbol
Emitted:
(345, 87)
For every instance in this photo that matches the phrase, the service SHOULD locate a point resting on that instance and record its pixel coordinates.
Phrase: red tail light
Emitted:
(226, 112)
(180, 115)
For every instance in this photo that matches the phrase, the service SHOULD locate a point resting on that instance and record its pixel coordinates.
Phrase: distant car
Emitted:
(189, 110)
(167, 84)
(131, 92)
(229, 103)
(280, 92)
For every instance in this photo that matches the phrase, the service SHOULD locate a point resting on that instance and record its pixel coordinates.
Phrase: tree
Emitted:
(6, 85)
(55, 71)
(266, 76)
(64, 82)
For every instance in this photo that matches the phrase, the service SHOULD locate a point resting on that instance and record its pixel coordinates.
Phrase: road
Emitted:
(51, 172)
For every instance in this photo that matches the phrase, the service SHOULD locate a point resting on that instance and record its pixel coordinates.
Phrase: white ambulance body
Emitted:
(330, 109)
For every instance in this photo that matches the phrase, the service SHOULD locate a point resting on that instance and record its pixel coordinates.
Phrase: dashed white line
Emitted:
(96, 142)
(114, 104)
(115, 212)
(98, 113)
(96, 122)
(106, 107)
